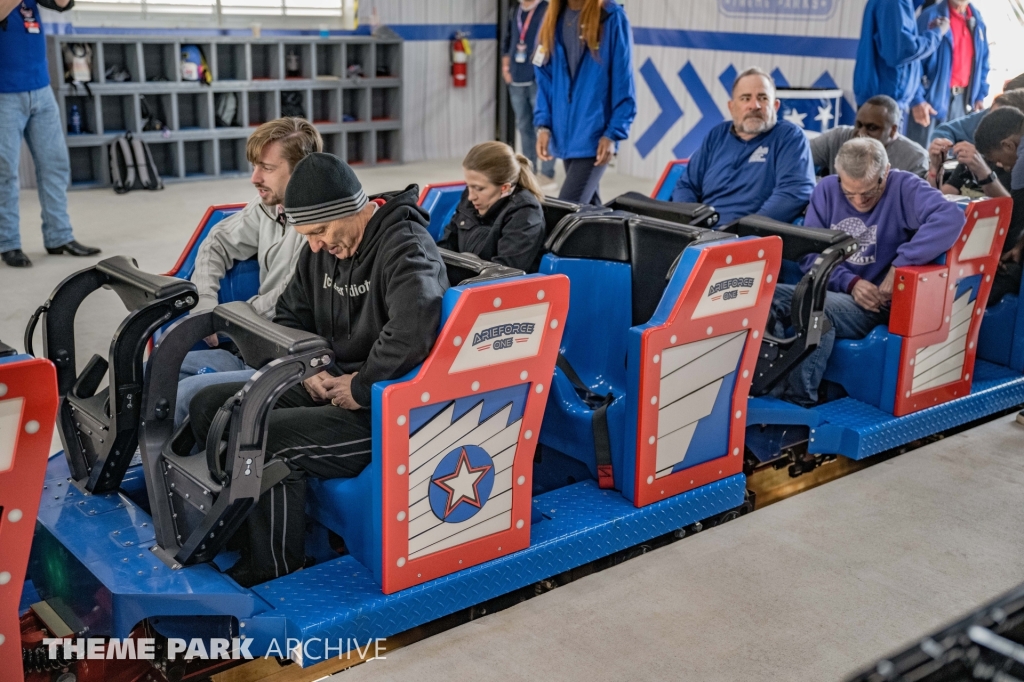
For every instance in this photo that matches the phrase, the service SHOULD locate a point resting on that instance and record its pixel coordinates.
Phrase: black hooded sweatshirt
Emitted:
(381, 308)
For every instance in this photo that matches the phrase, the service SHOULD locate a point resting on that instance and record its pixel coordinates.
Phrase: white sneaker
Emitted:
(546, 184)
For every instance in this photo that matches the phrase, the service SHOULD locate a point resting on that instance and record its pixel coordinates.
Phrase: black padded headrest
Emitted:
(137, 288)
(588, 234)
(797, 241)
(700, 215)
(655, 247)
(555, 210)
(649, 245)
(466, 268)
(259, 339)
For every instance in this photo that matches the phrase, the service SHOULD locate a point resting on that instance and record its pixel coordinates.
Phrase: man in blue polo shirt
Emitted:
(753, 164)
(28, 109)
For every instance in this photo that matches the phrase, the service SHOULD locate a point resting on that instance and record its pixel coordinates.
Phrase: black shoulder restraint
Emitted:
(598, 422)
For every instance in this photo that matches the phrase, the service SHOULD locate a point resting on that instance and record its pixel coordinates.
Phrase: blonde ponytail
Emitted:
(527, 180)
(500, 164)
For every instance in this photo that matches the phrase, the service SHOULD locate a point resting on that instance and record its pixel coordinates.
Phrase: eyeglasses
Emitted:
(867, 196)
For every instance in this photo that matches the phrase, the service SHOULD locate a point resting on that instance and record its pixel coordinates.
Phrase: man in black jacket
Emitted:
(371, 282)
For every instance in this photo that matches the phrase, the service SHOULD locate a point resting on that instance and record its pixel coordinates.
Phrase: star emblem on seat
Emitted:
(462, 484)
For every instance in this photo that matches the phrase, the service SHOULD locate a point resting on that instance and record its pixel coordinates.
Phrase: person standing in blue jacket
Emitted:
(955, 80)
(890, 51)
(753, 164)
(29, 110)
(586, 98)
(517, 71)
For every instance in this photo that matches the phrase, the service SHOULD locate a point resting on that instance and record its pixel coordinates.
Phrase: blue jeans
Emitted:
(34, 116)
(523, 99)
(849, 321)
(202, 368)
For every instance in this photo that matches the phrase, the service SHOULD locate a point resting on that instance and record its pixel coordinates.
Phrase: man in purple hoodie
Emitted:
(896, 218)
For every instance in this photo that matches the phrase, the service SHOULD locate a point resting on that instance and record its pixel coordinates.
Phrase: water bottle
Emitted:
(75, 121)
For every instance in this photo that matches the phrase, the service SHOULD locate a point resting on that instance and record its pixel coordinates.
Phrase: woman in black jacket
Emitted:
(499, 217)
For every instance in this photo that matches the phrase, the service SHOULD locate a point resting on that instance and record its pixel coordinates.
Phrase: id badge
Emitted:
(539, 56)
(29, 19)
(521, 53)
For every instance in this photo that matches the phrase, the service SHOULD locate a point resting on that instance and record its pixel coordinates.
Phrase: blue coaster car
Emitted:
(152, 550)
(651, 402)
(918, 375)
(440, 200)
(669, 179)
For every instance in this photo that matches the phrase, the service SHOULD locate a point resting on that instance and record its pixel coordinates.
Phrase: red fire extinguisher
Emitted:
(460, 58)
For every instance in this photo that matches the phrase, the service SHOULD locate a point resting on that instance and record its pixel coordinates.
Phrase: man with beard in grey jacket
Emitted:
(258, 230)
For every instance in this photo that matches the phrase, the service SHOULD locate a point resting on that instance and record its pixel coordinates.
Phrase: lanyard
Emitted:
(519, 21)
(28, 18)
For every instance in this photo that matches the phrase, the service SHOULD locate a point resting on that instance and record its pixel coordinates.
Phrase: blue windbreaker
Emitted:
(890, 52)
(599, 102)
(938, 66)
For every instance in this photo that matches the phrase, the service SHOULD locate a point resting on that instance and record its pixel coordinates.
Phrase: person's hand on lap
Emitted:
(885, 288)
(867, 296)
(339, 390)
(314, 386)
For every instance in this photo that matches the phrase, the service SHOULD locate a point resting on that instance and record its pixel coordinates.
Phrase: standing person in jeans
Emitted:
(28, 109)
(517, 70)
(586, 98)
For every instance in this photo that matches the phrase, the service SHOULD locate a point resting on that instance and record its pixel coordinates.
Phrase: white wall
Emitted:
(441, 121)
(727, 38)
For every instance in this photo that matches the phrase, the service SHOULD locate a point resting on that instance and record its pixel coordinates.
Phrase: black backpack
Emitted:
(132, 166)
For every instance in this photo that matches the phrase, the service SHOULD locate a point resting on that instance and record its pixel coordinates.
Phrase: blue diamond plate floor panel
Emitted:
(995, 388)
(95, 549)
(91, 555)
(338, 599)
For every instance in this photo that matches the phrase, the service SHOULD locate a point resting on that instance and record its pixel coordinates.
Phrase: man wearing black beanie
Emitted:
(371, 282)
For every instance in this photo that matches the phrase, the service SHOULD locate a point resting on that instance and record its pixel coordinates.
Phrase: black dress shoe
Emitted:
(73, 248)
(16, 258)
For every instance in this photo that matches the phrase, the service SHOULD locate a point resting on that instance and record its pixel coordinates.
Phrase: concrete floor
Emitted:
(153, 228)
(812, 588)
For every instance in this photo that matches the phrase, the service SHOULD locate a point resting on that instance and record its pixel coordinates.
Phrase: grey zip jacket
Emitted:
(253, 231)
